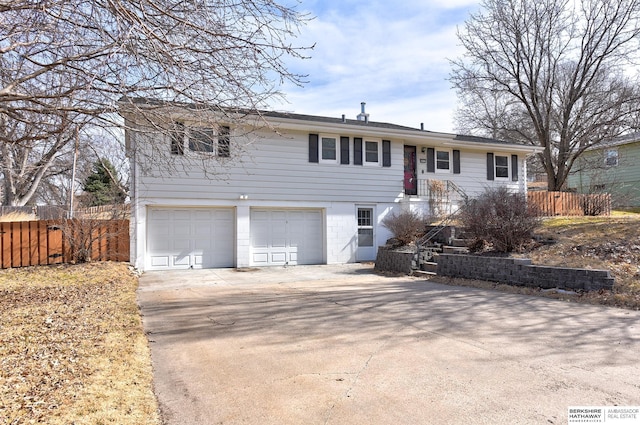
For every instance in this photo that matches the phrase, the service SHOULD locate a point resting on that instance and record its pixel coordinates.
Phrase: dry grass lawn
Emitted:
(72, 347)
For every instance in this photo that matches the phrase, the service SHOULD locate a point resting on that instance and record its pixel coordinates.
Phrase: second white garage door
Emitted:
(180, 238)
(280, 237)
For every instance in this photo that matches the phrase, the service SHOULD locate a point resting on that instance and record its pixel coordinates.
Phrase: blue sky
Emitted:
(392, 55)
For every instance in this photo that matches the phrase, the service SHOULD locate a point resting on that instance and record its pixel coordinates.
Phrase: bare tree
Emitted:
(68, 64)
(551, 73)
(31, 153)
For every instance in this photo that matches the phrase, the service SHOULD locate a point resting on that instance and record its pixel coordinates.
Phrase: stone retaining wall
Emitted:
(520, 271)
(391, 260)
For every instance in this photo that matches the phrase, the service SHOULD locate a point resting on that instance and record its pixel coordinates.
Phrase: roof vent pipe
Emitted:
(362, 116)
(344, 119)
(422, 126)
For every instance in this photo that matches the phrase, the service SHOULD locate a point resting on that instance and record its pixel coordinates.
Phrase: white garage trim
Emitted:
(286, 236)
(179, 238)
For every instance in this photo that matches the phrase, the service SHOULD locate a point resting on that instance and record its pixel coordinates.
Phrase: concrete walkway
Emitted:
(341, 345)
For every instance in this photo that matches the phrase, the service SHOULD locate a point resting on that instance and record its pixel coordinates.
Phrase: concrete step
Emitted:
(423, 273)
(455, 250)
(429, 266)
(459, 242)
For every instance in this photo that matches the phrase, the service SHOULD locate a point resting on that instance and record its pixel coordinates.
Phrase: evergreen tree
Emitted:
(103, 185)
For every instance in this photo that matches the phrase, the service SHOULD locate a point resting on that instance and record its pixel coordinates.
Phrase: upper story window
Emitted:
(201, 139)
(502, 166)
(347, 150)
(371, 152)
(329, 148)
(611, 157)
(209, 140)
(443, 161)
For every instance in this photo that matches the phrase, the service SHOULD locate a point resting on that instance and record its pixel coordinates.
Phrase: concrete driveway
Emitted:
(342, 345)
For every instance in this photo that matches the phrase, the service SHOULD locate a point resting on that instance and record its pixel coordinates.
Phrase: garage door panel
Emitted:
(183, 260)
(286, 237)
(278, 257)
(184, 237)
(160, 261)
(260, 258)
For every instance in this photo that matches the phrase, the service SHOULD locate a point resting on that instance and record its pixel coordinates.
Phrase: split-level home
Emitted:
(212, 188)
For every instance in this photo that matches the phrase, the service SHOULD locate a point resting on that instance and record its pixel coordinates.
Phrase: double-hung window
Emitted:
(502, 166)
(371, 152)
(443, 161)
(329, 148)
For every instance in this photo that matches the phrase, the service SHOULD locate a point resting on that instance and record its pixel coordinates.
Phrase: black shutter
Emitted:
(490, 169)
(386, 153)
(313, 148)
(357, 150)
(224, 142)
(177, 139)
(456, 161)
(514, 168)
(431, 160)
(344, 150)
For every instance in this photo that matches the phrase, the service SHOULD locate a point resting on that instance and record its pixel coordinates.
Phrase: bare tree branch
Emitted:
(551, 73)
(79, 59)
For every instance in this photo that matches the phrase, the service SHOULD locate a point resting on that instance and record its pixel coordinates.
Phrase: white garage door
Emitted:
(291, 237)
(179, 238)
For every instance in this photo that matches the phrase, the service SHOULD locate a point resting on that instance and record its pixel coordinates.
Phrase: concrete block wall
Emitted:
(390, 260)
(520, 271)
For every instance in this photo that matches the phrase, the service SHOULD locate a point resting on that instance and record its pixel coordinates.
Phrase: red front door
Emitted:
(410, 178)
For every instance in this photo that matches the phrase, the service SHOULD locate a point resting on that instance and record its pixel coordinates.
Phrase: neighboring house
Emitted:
(287, 189)
(612, 167)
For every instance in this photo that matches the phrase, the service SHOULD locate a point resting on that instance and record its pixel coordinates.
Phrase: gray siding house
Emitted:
(216, 189)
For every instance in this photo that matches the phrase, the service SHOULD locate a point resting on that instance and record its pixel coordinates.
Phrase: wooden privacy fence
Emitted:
(32, 243)
(570, 204)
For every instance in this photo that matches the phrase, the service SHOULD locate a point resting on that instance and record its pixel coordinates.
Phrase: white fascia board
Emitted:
(342, 128)
(416, 136)
(526, 149)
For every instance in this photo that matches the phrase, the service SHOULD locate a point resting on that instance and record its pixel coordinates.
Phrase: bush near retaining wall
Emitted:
(520, 271)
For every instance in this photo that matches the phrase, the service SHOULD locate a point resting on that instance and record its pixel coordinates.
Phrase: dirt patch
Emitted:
(72, 347)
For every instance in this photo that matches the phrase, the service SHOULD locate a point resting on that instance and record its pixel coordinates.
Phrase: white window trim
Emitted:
(329, 136)
(509, 171)
(441, 171)
(188, 128)
(378, 163)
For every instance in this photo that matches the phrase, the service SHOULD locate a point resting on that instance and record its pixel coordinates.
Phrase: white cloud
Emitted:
(392, 56)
